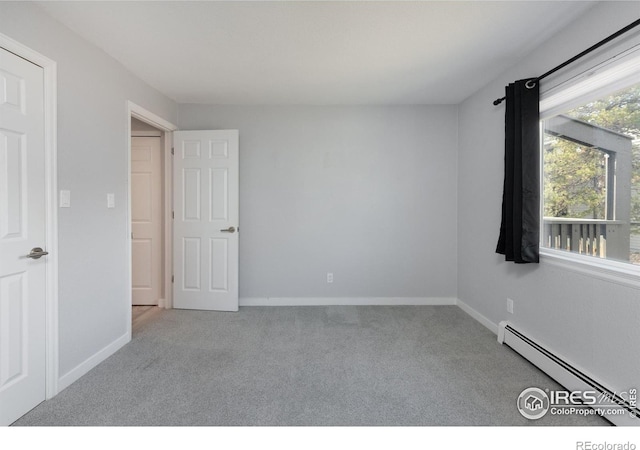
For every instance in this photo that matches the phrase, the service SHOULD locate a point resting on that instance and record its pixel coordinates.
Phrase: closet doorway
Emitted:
(147, 214)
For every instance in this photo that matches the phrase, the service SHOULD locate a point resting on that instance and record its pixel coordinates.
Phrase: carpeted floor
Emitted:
(330, 365)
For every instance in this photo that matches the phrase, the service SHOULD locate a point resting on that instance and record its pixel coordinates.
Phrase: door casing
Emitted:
(51, 205)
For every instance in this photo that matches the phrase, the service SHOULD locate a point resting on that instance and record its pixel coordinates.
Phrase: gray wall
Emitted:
(592, 322)
(368, 193)
(92, 161)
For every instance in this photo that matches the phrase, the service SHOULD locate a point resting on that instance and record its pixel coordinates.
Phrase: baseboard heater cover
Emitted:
(570, 377)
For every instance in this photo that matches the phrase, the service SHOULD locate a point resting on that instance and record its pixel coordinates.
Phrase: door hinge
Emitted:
(172, 278)
(173, 214)
(173, 151)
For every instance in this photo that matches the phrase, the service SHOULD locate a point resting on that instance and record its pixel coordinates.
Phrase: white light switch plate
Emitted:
(111, 200)
(65, 199)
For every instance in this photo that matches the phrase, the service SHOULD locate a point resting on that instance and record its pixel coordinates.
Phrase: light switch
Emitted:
(111, 200)
(65, 199)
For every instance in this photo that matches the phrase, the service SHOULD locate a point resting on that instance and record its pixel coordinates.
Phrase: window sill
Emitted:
(621, 273)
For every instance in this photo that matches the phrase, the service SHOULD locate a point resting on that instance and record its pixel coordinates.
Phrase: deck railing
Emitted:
(601, 238)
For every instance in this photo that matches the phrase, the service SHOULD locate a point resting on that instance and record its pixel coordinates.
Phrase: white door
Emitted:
(22, 228)
(205, 226)
(146, 220)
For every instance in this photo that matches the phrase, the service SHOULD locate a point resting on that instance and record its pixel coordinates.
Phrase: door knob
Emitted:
(229, 230)
(37, 253)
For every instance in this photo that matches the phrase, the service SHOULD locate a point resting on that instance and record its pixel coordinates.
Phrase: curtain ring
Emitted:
(533, 83)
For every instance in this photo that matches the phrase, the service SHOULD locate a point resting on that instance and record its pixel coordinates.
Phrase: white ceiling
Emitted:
(317, 53)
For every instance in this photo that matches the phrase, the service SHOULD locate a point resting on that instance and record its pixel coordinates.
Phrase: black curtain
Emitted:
(520, 228)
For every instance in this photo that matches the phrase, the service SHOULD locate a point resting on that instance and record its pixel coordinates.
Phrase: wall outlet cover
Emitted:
(329, 277)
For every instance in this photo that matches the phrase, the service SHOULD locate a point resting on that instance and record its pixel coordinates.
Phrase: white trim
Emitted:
(81, 369)
(622, 273)
(51, 186)
(610, 76)
(167, 127)
(501, 327)
(129, 296)
(346, 301)
(477, 316)
(167, 302)
(147, 116)
(138, 133)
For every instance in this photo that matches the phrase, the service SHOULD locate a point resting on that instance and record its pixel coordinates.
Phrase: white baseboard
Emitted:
(81, 369)
(347, 301)
(493, 327)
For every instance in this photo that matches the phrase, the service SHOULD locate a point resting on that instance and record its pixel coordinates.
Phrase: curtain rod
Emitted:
(580, 55)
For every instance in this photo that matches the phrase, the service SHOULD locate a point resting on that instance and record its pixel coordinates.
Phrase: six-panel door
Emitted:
(206, 213)
(146, 220)
(22, 228)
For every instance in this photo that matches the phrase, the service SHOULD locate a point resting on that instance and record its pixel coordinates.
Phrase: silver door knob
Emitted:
(229, 230)
(37, 253)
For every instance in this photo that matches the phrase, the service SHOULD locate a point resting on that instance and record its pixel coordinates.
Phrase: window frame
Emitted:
(618, 72)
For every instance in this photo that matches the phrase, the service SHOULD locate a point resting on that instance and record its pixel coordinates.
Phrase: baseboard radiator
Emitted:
(570, 377)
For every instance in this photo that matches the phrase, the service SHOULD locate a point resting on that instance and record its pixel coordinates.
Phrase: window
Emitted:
(591, 170)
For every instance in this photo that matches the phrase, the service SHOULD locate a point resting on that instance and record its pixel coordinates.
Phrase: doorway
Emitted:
(150, 200)
(147, 212)
(218, 199)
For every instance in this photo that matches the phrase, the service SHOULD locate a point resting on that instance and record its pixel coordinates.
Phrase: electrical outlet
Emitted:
(329, 277)
(510, 306)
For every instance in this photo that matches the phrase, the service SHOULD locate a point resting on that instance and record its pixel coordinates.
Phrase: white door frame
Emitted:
(51, 213)
(167, 127)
